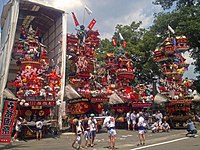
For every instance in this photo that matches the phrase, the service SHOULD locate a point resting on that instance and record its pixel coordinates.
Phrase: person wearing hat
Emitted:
(92, 124)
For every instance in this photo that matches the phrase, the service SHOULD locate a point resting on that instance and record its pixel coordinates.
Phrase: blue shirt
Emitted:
(190, 126)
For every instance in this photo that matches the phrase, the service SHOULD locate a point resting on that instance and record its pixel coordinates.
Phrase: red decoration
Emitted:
(75, 19)
(7, 121)
(91, 25)
(113, 42)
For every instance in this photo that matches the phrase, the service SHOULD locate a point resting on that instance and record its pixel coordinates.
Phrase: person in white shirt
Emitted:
(39, 125)
(155, 127)
(141, 129)
(92, 124)
(109, 123)
(133, 119)
(165, 127)
(79, 131)
(128, 119)
(18, 127)
(159, 116)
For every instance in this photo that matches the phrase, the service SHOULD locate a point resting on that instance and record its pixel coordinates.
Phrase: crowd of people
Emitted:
(18, 128)
(156, 122)
(89, 129)
(135, 121)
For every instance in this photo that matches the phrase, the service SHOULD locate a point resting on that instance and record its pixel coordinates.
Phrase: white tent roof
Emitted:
(159, 98)
(70, 93)
(196, 98)
(8, 94)
(115, 99)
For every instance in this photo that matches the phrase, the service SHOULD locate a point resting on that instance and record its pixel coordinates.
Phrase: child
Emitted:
(86, 135)
(79, 131)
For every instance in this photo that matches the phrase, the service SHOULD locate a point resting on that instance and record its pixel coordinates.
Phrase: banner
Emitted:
(75, 19)
(89, 11)
(170, 29)
(92, 23)
(7, 121)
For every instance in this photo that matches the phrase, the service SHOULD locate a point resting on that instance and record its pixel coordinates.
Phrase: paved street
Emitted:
(126, 140)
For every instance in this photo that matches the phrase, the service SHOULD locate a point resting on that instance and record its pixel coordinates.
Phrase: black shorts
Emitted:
(39, 130)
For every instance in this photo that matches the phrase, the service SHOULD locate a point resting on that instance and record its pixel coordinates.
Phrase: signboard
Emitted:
(141, 105)
(41, 103)
(36, 107)
(178, 102)
(7, 121)
(78, 108)
(99, 99)
(120, 109)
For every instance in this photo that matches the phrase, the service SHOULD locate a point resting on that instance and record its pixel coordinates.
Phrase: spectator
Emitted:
(159, 116)
(190, 127)
(18, 127)
(39, 126)
(165, 126)
(78, 131)
(133, 119)
(92, 123)
(109, 123)
(128, 119)
(141, 129)
(155, 127)
(86, 134)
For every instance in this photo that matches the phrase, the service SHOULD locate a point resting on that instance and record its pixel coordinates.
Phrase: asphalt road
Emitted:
(126, 140)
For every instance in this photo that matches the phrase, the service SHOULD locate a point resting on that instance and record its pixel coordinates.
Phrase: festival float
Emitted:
(169, 56)
(36, 84)
(82, 71)
(119, 73)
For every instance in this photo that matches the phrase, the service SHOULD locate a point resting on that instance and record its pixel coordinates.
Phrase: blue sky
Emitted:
(109, 13)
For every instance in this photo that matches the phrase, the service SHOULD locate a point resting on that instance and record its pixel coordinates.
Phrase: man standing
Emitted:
(159, 116)
(133, 119)
(39, 125)
(128, 119)
(109, 123)
(92, 124)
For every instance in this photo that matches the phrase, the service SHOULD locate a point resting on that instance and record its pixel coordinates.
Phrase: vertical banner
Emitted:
(75, 19)
(92, 23)
(7, 121)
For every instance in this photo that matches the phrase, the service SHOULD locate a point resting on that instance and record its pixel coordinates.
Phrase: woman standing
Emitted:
(109, 123)
(141, 129)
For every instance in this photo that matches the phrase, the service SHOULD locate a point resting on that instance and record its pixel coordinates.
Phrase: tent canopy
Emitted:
(196, 98)
(8, 94)
(70, 92)
(159, 98)
(115, 99)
